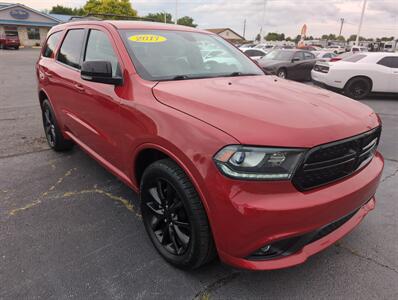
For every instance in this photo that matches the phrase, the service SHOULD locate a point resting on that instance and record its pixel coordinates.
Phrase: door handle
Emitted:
(79, 87)
(48, 74)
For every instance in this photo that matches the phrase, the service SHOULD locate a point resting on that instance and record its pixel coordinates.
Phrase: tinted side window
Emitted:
(71, 48)
(100, 48)
(389, 61)
(52, 42)
(254, 53)
(298, 55)
(308, 55)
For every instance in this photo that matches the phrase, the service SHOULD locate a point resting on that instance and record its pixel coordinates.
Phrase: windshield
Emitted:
(178, 55)
(279, 55)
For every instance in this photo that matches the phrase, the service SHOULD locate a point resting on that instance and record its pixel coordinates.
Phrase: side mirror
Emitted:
(99, 71)
(295, 59)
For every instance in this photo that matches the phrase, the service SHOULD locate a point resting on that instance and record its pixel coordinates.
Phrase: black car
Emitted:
(289, 63)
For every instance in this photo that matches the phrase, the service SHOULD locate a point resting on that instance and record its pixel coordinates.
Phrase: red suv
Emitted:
(9, 41)
(262, 171)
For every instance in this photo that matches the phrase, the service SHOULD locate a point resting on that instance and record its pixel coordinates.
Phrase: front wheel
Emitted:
(51, 129)
(174, 216)
(281, 73)
(358, 88)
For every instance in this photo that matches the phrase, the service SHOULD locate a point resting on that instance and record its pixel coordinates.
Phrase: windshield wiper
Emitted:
(180, 77)
(235, 74)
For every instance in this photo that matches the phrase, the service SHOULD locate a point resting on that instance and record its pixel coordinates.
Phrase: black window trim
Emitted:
(57, 46)
(81, 50)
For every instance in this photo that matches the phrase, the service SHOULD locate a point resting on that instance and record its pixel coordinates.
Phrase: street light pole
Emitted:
(341, 26)
(360, 22)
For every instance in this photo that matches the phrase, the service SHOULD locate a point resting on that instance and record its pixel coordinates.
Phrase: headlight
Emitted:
(258, 163)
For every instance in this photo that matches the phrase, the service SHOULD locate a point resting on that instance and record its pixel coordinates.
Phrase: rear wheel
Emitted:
(281, 73)
(358, 88)
(53, 134)
(174, 216)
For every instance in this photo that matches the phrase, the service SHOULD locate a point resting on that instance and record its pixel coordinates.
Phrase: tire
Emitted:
(358, 88)
(174, 217)
(16, 48)
(54, 136)
(281, 73)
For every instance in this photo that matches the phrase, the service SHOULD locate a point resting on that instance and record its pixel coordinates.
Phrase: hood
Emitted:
(265, 110)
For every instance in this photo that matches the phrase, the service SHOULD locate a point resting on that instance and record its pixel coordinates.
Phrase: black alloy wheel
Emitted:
(358, 88)
(174, 217)
(54, 136)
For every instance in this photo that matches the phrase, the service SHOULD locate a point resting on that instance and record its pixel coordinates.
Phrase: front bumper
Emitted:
(255, 214)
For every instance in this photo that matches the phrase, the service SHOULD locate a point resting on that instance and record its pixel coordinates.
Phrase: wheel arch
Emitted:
(148, 153)
(360, 77)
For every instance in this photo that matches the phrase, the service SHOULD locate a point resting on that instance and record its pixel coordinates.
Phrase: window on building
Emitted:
(71, 48)
(52, 42)
(11, 31)
(33, 33)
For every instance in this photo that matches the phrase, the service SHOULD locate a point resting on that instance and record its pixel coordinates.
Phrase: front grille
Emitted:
(333, 161)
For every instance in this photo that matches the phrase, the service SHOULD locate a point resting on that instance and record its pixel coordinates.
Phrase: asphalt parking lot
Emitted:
(69, 229)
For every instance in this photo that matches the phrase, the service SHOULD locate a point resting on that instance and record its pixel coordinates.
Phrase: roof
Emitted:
(141, 25)
(62, 18)
(220, 30)
(4, 6)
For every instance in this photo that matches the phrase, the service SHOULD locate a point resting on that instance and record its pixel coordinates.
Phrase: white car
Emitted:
(255, 53)
(336, 49)
(359, 74)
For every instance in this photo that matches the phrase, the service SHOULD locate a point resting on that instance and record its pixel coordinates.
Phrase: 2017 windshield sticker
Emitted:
(147, 38)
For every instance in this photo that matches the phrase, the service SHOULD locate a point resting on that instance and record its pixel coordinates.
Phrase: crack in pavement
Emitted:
(125, 202)
(215, 285)
(390, 176)
(24, 153)
(357, 254)
(39, 199)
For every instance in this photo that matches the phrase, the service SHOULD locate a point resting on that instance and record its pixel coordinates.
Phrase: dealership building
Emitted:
(30, 25)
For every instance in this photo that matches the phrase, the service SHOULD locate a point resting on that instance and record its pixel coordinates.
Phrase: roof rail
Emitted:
(101, 17)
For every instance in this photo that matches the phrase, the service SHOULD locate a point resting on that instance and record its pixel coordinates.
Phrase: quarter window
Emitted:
(100, 48)
(70, 51)
(389, 61)
(52, 42)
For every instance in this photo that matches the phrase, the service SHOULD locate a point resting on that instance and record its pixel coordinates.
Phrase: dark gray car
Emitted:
(289, 63)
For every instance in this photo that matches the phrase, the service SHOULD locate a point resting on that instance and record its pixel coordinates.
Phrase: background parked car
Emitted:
(9, 41)
(246, 46)
(310, 48)
(324, 55)
(336, 49)
(255, 53)
(289, 63)
(360, 74)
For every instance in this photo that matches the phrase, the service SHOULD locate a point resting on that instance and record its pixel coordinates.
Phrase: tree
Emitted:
(288, 39)
(62, 10)
(353, 37)
(159, 17)
(387, 39)
(274, 36)
(258, 37)
(297, 39)
(186, 21)
(117, 7)
(341, 38)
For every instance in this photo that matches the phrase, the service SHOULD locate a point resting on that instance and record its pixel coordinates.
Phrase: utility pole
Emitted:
(263, 19)
(176, 13)
(341, 25)
(244, 28)
(360, 22)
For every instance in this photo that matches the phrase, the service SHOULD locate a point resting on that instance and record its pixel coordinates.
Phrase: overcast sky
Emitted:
(287, 16)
